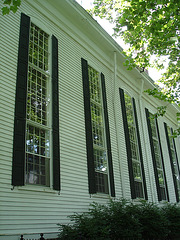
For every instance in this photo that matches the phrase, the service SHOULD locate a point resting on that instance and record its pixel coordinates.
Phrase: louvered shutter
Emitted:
(165, 179)
(128, 146)
(55, 115)
(171, 161)
(153, 154)
(18, 162)
(88, 128)
(140, 148)
(108, 141)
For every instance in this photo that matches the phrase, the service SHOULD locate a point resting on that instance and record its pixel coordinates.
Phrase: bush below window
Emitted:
(124, 220)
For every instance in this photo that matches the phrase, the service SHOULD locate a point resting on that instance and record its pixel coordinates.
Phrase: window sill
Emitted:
(162, 202)
(100, 195)
(36, 189)
(138, 200)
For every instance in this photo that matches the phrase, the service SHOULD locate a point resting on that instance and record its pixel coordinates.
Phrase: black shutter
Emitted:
(171, 161)
(55, 115)
(153, 155)
(177, 195)
(165, 180)
(88, 127)
(108, 141)
(175, 151)
(128, 146)
(18, 163)
(140, 149)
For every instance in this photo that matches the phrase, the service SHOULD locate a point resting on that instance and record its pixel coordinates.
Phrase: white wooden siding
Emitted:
(28, 210)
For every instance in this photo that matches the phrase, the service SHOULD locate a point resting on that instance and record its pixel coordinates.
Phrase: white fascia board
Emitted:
(115, 46)
(95, 25)
(80, 18)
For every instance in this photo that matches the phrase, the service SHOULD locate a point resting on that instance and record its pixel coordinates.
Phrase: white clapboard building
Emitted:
(75, 125)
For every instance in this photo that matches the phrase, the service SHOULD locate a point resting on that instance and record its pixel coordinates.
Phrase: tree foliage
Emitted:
(10, 6)
(149, 27)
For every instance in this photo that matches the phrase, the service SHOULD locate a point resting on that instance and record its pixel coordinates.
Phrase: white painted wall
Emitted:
(27, 210)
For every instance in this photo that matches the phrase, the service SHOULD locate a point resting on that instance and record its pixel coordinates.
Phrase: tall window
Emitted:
(98, 132)
(136, 162)
(34, 119)
(37, 116)
(158, 160)
(98, 143)
(174, 161)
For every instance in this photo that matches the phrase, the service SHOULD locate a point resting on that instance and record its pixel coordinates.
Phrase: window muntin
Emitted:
(37, 116)
(38, 48)
(174, 159)
(136, 163)
(98, 132)
(158, 158)
(37, 96)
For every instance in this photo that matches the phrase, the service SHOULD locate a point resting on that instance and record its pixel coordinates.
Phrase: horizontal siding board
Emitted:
(7, 109)
(9, 86)
(19, 207)
(4, 98)
(5, 164)
(12, 61)
(32, 228)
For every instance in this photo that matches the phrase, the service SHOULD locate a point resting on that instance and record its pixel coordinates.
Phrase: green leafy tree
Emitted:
(149, 27)
(9, 6)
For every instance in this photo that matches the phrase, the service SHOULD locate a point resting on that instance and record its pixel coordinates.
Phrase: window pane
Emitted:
(102, 182)
(37, 100)
(139, 189)
(137, 172)
(161, 177)
(163, 193)
(174, 160)
(158, 158)
(100, 160)
(37, 131)
(98, 132)
(37, 162)
(38, 47)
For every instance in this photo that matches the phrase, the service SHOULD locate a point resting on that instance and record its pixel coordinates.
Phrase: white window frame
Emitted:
(137, 144)
(156, 138)
(172, 149)
(95, 146)
(48, 127)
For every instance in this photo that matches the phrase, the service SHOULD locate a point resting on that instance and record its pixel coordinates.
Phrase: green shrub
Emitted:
(154, 224)
(172, 214)
(124, 220)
